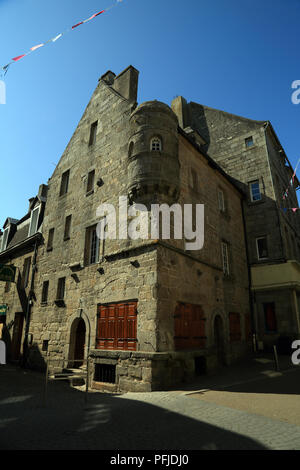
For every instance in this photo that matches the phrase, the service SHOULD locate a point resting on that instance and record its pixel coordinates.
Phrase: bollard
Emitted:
(276, 358)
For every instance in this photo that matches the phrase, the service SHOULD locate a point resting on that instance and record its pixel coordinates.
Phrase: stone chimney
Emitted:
(181, 109)
(126, 83)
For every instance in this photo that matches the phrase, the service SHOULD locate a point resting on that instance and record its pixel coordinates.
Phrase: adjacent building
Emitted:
(250, 152)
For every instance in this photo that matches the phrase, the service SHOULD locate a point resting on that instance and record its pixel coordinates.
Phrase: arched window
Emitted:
(155, 144)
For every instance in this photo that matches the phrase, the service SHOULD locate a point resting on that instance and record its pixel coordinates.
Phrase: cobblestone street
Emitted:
(261, 411)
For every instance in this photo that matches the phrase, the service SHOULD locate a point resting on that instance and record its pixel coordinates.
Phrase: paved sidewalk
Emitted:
(168, 420)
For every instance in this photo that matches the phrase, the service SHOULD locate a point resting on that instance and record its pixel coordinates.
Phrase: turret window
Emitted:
(156, 144)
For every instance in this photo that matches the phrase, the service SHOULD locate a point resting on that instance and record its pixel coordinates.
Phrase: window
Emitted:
(61, 288)
(155, 144)
(45, 345)
(262, 248)
(225, 258)
(91, 246)
(255, 191)
(67, 227)
(270, 317)
(64, 183)
(249, 142)
(117, 326)
(50, 239)
(93, 133)
(4, 239)
(90, 182)
(221, 200)
(34, 221)
(45, 292)
(25, 273)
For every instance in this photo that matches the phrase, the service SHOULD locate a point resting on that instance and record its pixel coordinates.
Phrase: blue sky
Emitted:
(239, 56)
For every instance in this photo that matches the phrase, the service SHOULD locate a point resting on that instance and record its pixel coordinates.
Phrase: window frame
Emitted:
(93, 133)
(90, 185)
(50, 239)
(257, 249)
(67, 229)
(5, 231)
(64, 183)
(249, 139)
(34, 210)
(251, 191)
(61, 289)
(45, 289)
(152, 143)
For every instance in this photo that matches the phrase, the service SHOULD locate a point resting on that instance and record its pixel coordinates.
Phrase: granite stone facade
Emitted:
(149, 313)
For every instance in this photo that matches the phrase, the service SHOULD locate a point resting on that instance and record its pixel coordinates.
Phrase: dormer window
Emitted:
(155, 144)
(34, 221)
(4, 239)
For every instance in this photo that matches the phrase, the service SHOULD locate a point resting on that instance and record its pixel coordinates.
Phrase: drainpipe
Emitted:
(253, 323)
(28, 310)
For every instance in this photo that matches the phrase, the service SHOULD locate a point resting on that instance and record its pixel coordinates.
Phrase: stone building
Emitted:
(148, 311)
(153, 311)
(250, 152)
(19, 245)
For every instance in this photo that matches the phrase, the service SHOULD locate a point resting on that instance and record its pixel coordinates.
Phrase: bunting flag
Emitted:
(294, 209)
(4, 69)
(291, 182)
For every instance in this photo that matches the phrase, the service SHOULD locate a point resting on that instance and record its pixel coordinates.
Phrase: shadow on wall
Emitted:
(108, 422)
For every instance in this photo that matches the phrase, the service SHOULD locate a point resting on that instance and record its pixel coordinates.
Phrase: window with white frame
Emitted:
(262, 248)
(34, 221)
(255, 191)
(225, 257)
(4, 239)
(155, 144)
(221, 200)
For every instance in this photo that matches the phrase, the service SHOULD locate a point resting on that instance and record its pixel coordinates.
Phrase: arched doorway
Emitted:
(77, 342)
(219, 340)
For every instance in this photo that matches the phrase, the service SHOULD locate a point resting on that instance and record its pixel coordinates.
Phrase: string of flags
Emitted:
(5, 68)
(286, 192)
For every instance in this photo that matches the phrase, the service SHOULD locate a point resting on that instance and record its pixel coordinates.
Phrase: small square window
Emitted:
(249, 142)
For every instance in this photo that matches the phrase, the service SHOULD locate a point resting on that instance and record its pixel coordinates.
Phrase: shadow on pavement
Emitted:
(106, 422)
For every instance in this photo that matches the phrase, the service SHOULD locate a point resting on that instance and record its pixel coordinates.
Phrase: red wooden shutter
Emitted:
(117, 326)
(189, 327)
